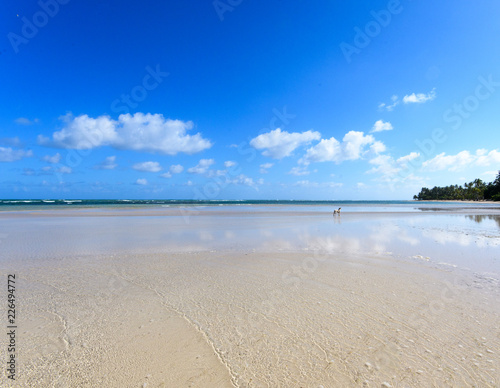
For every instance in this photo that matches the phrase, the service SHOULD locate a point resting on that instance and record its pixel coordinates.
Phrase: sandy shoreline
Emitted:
(284, 300)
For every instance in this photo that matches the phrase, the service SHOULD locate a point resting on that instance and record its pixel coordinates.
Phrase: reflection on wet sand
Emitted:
(481, 217)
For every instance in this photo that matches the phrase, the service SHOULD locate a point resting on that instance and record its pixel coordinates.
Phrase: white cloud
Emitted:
(8, 154)
(202, 166)
(461, 160)
(229, 163)
(246, 181)
(166, 175)
(25, 121)
(52, 159)
(378, 147)
(147, 166)
(395, 102)
(450, 162)
(107, 164)
(331, 150)
(389, 168)
(212, 173)
(381, 125)
(403, 160)
(353, 144)
(264, 167)
(306, 183)
(176, 169)
(325, 150)
(141, 181)
(385, 165)
(82, 132)
(419, 98)
(299, 171)
(361, 185)
(64, 170)
(279, 144)
(138, 132)
(486, 159)
(414, 98)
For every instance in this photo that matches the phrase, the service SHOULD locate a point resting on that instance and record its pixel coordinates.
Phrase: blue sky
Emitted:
(238, 99)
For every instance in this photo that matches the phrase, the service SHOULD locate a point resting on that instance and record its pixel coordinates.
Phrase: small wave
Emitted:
(447, 264)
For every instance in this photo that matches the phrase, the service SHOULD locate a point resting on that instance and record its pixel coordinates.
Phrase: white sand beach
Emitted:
(254, 297)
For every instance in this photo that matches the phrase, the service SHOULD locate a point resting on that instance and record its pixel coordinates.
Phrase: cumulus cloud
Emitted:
(378, 147)
(265, 167)
(381, 125)
(176, 169)
(141, 181)
(331, 150)
(461, 160)
(385, 165)
(25, 121)
(147, 166)
(8, 154)
(107, 164)
(450, 162)
(278, 144)
(299, 171)
(52, 159)
(202, 166)
(485, 158)
(229, 163)
(419, 98)
(138, 132)
(389, 168)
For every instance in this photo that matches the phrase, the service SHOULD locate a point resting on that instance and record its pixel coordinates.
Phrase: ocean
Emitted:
(366, 205)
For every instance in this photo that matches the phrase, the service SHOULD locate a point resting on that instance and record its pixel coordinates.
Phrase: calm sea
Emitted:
(31, 204)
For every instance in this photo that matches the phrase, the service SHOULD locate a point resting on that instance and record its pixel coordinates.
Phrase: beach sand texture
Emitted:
(216, 298)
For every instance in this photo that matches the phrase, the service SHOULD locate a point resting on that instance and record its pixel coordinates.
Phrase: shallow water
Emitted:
(468, 241)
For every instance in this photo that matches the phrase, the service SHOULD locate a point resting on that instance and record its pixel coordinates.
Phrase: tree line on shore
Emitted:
(476, 190)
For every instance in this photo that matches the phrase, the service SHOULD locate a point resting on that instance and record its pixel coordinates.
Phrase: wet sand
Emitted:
(254, 299)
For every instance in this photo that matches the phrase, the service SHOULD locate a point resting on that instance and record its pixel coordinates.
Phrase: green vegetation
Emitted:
(473, 191)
